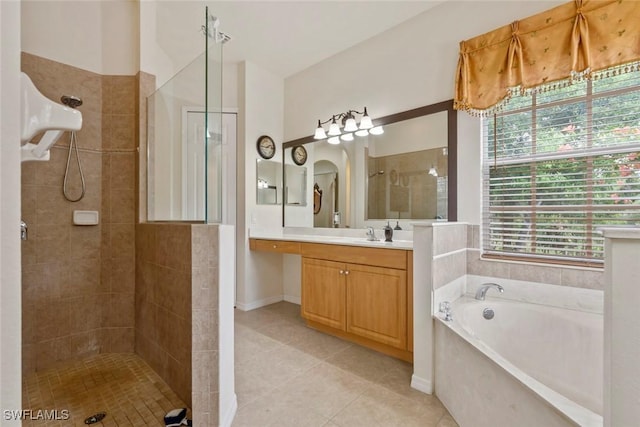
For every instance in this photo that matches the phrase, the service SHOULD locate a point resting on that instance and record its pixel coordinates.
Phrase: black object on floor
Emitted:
(176, 417)
(95, 418)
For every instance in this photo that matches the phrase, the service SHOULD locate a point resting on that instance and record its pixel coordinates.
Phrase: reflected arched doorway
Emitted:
(325, 193)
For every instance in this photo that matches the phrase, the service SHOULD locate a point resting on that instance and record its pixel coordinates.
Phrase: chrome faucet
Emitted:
(482, 291)
(371, 234)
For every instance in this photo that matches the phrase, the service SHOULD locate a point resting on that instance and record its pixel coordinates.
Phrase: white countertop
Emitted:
(350, 237)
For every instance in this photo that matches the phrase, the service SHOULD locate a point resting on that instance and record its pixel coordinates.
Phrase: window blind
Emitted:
(559, 164)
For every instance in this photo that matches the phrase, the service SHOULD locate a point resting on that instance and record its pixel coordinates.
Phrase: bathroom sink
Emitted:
(351, 241)
(362, 241)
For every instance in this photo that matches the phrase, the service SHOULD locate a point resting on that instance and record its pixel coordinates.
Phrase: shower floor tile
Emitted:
(122, 385)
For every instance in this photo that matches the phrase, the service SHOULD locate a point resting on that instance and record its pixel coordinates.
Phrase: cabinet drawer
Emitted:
(381, 257)
(280, 246)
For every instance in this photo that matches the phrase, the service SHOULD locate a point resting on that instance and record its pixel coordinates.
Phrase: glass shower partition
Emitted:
(184, 147)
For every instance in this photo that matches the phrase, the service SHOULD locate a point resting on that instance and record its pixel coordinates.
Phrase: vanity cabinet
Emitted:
(365, 303)
(361, 294)
(363, 300)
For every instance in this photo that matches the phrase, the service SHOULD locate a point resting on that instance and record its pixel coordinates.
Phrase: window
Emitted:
(558, 165)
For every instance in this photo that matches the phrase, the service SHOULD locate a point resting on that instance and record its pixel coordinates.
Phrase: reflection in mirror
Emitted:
(407, 173)
(269, 177)
(295, 185)
(325, 194)
(407, 170)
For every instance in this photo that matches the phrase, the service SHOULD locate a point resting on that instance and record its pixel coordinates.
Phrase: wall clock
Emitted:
(266, 147)
(299, 155)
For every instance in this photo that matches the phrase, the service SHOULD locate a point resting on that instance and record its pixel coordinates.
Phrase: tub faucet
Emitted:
(371, 234)
(482, 291)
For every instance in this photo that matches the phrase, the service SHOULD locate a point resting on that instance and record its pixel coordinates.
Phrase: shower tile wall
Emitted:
(177, 310)
(146, 86)
(205, 247)
(78, 281)
(163, 302)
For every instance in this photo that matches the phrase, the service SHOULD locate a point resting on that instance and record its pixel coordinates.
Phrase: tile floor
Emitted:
(122, 385)
(290, 375)
(286, 375)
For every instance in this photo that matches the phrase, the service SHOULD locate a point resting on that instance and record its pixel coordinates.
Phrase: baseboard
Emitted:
(293, 299)
(257, 304)
(230, 413)
(421, 384)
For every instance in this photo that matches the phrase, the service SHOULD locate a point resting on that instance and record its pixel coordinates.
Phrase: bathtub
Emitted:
(530, 365)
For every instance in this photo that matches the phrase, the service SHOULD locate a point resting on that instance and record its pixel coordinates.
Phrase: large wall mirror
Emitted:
(407, 174)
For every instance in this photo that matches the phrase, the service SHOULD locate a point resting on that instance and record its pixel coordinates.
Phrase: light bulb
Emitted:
(320, 133)
(362, 132)
(350, 125)
(365, 122)
(334, 128)
(347, 137)
(376, 130)
(335, 140)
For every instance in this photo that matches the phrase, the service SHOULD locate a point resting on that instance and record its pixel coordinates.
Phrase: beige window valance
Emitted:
(569, 41)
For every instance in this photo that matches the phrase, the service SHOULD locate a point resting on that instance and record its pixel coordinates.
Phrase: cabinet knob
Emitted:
(346, 272)
(275, 246)
(341, 271)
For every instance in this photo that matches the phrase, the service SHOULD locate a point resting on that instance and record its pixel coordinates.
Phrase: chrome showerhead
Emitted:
(71, 101)
(376, 173)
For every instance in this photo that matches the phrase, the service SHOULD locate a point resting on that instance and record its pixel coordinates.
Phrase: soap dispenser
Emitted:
(388, 233)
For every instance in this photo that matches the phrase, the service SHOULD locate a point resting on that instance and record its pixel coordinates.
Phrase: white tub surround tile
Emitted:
(422, 378)
(449, 292)
(540, 293)
(480, 392)
(621, 327)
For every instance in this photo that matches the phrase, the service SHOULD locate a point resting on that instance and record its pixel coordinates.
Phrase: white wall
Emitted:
(406, 67)
(228, 402)
(10, 281)
(261, 105)
(229, 85)
(98, 36)
(170, 35)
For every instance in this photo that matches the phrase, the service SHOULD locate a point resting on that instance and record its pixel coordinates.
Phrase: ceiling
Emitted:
(288, 37)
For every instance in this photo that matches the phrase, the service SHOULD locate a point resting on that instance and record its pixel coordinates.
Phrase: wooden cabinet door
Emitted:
(377, 304)
(323, 292)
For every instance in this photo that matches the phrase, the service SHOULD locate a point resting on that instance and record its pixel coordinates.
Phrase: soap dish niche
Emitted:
(85, 217)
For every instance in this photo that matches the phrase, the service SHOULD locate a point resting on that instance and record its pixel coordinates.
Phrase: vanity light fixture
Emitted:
(376, 130)
(349, 126)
